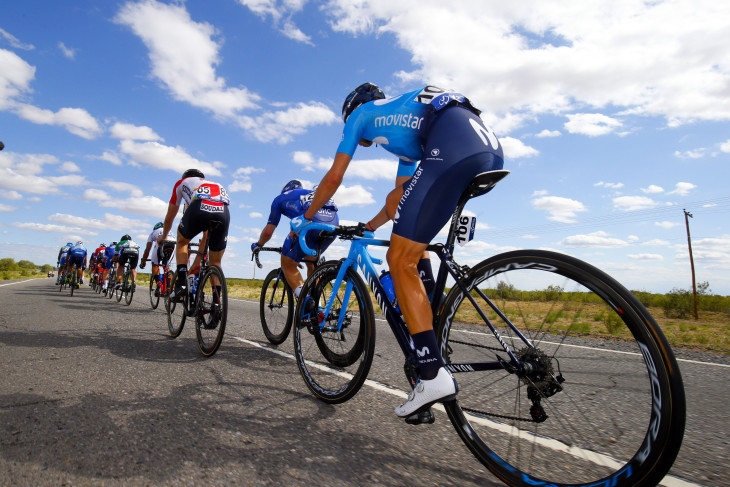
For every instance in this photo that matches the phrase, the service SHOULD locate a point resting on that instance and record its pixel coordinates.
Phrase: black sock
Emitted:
(428, 355)
(182, 274)
(425, 272)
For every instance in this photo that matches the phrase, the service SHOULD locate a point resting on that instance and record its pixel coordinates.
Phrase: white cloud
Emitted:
(247, 171)
(76, 120)
(163, 156)
(255, 214)
(666, 225)
(372, 169)
(657, 242)
(683, 189)
(631, 203)
(14, 42)
(184, 56)
(602, 184)
(598, 239)
(352, 196)
(592, 124)
(239, 186)
(51, 228)
(645, 256)
(133, 132)
(283, 125)
(110, 222)
(24, 171)
(281, 13)
(70, 167)
(95, 194)
(548, 133)
(515, 148)
(12, 195)
(652, 189)
(691, 154)
(67, 51)
(7, 207)
(504, 57)
(725, 146)
(561, 209)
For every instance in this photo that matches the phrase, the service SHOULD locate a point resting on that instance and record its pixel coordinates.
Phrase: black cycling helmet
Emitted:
(293, 184)
(158, 225)
(197, 173)
(102, 244)
(125, 237)
(362, 94)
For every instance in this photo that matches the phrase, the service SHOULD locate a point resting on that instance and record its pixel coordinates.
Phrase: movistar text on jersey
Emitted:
(399, 119)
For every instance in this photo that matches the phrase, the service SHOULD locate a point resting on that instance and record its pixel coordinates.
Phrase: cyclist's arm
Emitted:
(329, 184)
(266, 234)
(387, 213)
(146, 251)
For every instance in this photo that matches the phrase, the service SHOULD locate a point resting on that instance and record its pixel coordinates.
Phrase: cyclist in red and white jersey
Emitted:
(207, 201)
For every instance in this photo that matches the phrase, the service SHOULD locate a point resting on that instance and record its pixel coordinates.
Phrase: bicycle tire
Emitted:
(618, 417)
(211, 312)
(276, 307)
(154, 285)
(110, 285)
(128, 287)
(118, 293)
(176, 311)
(74, 277)
(334, 365)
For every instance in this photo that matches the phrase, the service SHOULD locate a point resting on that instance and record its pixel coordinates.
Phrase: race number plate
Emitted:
(465, 229)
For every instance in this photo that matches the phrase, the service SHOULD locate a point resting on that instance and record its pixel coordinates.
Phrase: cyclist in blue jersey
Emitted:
(441, 144)
(293, 202)
(61, 261)
(77, 256)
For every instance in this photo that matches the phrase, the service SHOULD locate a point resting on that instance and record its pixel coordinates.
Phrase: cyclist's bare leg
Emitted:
(291, 272)
(403, 256)
(216, 257)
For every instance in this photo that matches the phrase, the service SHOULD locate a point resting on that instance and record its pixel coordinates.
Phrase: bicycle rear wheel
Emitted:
(74, 277)
(211, 310)
(176, 310)
(128, 287)
(602, 402)
(276, 307)
(154, 292)
(334, 364)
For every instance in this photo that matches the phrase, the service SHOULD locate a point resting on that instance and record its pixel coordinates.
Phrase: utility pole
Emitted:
(691, 261)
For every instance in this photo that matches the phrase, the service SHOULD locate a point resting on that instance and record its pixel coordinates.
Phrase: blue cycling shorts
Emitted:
(108, 263)
(457, 148)
(77, 259)
(314, 240)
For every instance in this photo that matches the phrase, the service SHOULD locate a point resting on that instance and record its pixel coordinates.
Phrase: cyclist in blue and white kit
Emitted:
(77, 255)
(61, 261)
(443, 131)
(293, 202)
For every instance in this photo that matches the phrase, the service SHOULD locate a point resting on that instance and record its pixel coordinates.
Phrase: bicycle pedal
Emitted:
(422, 417)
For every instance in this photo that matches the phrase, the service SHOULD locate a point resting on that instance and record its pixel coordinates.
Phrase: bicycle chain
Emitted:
(484, 413)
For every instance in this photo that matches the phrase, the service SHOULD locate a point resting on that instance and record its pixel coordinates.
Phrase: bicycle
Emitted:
(112, 284)
(554, 405)
(160, 285)
(204, 301)
(124, 288)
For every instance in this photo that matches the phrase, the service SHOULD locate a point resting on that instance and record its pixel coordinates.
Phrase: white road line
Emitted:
(587, 455)
(19, 282)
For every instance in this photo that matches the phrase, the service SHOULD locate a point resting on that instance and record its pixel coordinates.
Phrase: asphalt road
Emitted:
(93, 392)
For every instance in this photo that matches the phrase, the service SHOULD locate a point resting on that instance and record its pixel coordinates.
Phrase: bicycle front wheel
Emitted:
(176, 309)
(154, 292)
(334, 352)
(211, 310)
(74, 278)
(599, 399)
(276, 307)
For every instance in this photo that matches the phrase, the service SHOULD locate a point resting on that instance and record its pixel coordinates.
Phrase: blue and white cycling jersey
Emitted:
(78, 251)
(398, 124)
(295, 202)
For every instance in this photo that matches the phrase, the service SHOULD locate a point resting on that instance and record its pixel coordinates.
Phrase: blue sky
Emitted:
(613, 116)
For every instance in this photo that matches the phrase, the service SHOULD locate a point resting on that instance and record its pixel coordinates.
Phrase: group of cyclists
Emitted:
(441, 144)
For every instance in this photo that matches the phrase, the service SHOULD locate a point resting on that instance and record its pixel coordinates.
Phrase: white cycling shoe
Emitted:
(427, 392)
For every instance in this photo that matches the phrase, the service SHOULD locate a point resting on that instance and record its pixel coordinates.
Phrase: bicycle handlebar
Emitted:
(255, 253)
(344, 231)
